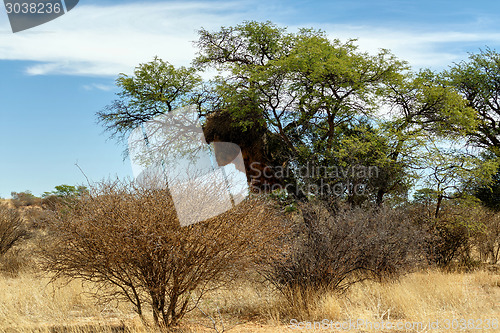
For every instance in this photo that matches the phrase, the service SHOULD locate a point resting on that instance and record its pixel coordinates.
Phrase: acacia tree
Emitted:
(127, 238)
(421, 108)
(322, 98)
(156, 87)
(307, 88)
(452, 172)
(298, 100)
(478, 80)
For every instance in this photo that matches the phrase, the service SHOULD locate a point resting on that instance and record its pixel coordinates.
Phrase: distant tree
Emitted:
(65, 191)
(63, 194)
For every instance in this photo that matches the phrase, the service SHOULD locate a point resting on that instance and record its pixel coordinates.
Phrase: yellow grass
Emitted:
(29, 302)
(6, 202)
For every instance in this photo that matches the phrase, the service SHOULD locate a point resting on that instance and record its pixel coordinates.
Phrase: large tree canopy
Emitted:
(302, 100)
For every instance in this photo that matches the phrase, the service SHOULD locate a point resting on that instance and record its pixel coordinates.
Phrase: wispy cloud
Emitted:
(421, 49)
(98, 86)
(106, 40)
(112, 39)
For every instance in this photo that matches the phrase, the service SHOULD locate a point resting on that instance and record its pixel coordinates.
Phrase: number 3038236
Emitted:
(33, 8)
(477, 324)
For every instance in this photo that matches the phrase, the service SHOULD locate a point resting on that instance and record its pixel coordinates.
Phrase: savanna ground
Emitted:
(31, 301)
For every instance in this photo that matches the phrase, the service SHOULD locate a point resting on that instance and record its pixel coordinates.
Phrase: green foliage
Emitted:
(66, 191)
(489, 194)
(422, 101)
(425, 196)
(477, 80)
(155, 88)
(63, 195)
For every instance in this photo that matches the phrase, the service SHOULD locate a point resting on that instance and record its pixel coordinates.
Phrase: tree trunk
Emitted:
(438, 206)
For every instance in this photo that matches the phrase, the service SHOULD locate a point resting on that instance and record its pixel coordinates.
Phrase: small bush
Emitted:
(26, 198)
(11, 229)
(458, 234)
(13, 262)
(331, 250)
(487, 239)
(128, 239)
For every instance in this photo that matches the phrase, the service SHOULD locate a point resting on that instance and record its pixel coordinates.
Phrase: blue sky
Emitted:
(55, 77)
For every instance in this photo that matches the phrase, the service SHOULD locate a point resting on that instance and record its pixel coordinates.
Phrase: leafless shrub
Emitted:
(334, 249)
(456, 235)
(11, 228)
(127, 238)
(487, 238)
(26, 198)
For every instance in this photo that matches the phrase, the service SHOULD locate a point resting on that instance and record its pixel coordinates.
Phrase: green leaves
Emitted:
(423, 102)
(478, 81)
(158, 82)
(155, 88)
(66, 191)
(247, 44)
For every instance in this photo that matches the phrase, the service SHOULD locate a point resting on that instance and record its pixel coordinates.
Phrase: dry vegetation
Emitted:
(249, 296)
(30, 302)
(127, 239)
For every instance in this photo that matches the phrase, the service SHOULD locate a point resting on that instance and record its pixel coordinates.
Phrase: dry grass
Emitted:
(421, 297)
(6, 202)
(30, 303)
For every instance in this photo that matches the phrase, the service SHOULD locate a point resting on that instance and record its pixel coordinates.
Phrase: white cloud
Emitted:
(421, 49)
(107, 40)
(98, 86)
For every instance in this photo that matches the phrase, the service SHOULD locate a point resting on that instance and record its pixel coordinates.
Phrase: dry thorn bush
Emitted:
(332, 249)
(127, 238)
(12, 231)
